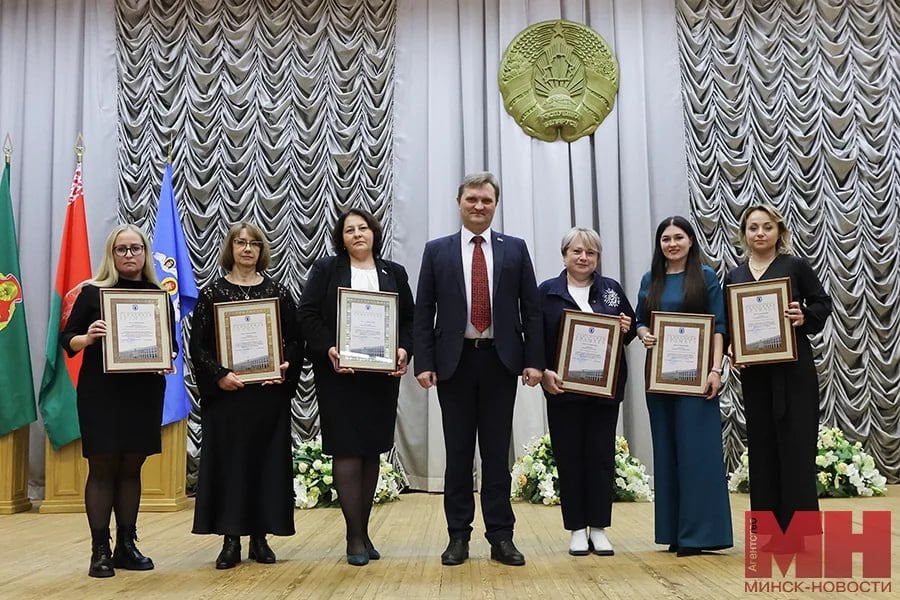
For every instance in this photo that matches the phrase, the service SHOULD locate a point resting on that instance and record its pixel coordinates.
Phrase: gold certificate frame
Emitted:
(679, 363)
(588, 353)
(760, 331)
(248, 338)
(367, 330)
(138, 332)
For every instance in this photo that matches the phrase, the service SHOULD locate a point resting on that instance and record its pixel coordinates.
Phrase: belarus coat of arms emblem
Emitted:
(558, 79)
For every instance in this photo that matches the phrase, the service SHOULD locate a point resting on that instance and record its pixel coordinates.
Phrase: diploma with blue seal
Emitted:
(367, 330)
(588, 353)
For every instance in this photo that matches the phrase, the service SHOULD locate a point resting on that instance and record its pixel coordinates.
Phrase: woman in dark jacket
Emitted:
(583, 427)
(357, 410)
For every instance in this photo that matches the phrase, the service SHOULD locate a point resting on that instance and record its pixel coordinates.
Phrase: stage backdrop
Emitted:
(797, 103)
(286, 112)
(278, 113)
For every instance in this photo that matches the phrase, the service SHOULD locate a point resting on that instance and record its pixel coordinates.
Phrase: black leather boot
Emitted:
(230, 554)
(101, 555)
(126, 555)
(260, 550)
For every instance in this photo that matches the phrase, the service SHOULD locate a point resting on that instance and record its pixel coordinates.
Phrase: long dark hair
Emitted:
(694, 299)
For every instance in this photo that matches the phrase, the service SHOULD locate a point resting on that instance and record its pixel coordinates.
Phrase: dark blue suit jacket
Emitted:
(442, 307)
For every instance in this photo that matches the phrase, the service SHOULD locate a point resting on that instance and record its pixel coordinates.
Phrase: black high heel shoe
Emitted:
(373, 553)
(358, 559)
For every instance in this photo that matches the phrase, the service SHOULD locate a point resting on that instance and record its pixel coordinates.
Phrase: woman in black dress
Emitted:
(245, 484)
(119, 413)
(782, 399)
(357, 411)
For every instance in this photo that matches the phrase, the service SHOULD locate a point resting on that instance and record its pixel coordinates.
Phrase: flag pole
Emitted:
(79, 148)
(7, 149)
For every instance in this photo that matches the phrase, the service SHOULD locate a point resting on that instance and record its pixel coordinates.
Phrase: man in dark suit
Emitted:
(477, 328)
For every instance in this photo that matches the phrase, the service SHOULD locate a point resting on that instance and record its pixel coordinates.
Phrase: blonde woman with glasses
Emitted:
(119, 413)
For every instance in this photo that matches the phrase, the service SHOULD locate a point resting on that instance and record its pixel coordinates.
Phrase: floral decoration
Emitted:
(314, 480)
(535, 477)
(843, 469)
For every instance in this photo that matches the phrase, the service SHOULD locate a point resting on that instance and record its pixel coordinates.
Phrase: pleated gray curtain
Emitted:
(278, 112)
(797, 103)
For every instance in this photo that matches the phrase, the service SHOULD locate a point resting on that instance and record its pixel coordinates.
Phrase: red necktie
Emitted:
(481, 299)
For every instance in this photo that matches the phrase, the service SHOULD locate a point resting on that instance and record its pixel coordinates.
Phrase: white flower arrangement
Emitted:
(632, 481)
(535, 477)
(314, 481)
(843, 469)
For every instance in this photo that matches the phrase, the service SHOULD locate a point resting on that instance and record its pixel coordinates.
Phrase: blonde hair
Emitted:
(783, 245)
(107, 276)
(588, 237)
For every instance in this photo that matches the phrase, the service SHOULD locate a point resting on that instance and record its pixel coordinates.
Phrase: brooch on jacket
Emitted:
(611, 298)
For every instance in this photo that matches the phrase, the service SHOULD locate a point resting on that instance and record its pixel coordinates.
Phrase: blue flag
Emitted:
(173, 268)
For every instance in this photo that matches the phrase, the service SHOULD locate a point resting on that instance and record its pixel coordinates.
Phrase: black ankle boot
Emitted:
(126, 555)
(260, 551)
(101, 555)
(230, 554)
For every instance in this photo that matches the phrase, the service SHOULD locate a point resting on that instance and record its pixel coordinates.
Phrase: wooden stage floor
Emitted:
(46, 557)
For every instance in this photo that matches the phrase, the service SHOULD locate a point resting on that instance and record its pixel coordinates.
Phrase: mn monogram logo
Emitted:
(821, 546)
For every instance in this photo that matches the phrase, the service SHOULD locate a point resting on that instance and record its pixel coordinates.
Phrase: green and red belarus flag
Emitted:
(16, 383)
(58, 399)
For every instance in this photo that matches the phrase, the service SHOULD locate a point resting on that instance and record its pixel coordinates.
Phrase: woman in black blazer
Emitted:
(357, 411)
(582, 427)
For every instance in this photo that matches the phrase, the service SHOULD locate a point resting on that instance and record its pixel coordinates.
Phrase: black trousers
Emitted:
(782, 407)
(478, 400)
(583, 433)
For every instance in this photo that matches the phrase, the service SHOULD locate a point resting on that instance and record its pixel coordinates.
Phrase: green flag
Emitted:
(17, 407)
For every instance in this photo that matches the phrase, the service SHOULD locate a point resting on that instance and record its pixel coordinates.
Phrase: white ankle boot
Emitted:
(578, 545)
(600, 544)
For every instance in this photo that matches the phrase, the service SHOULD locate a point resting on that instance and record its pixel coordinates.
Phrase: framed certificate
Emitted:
(588, 353)
(138, 335)
(367, 330)
(679, 363)
(248, 338)
(760, 333)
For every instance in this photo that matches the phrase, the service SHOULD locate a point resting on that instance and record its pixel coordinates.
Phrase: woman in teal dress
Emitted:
(692, 508)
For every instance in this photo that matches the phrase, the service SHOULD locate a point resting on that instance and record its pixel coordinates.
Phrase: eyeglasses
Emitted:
(124, 250)
(242, 243)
